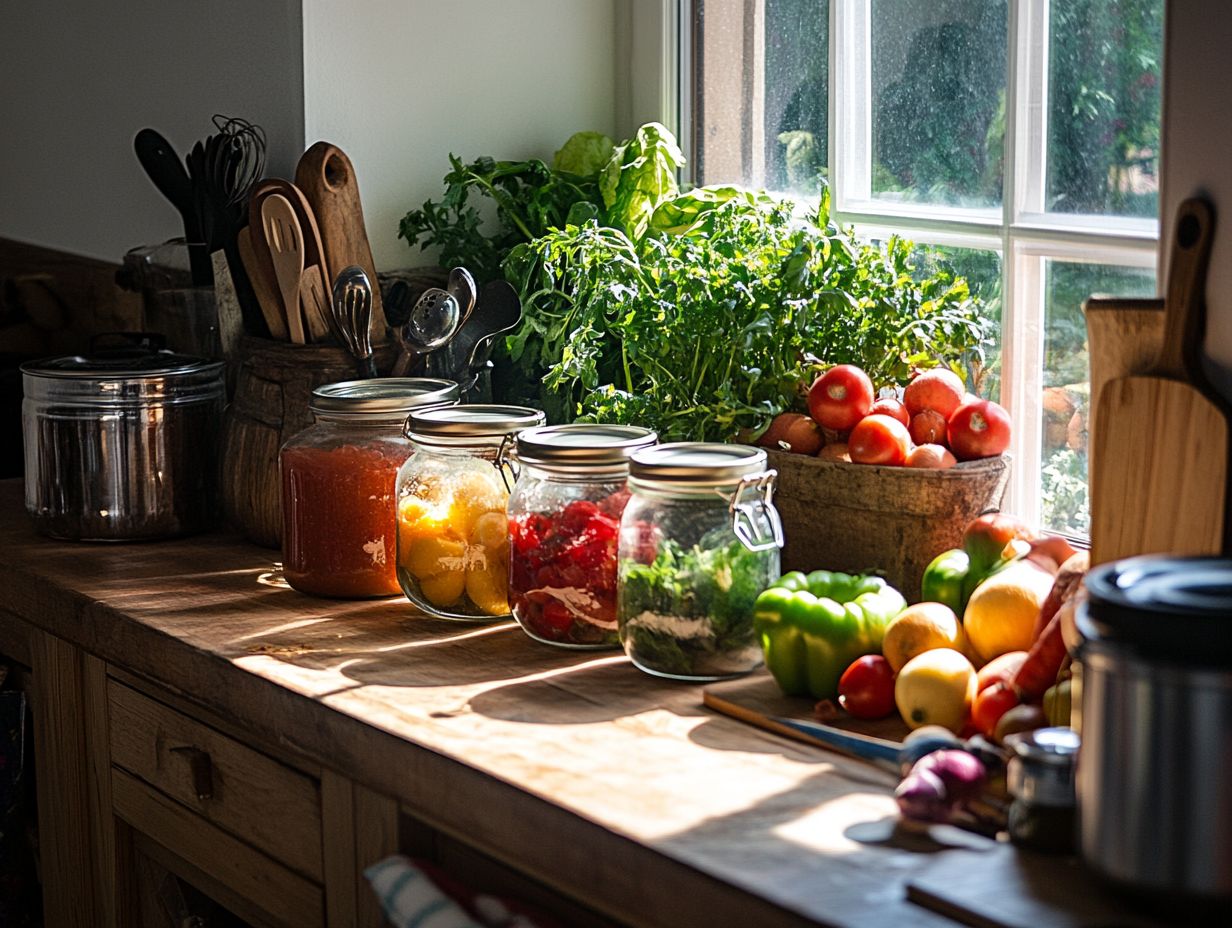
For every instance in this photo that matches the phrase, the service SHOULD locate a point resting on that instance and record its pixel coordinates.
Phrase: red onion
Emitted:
(963, 774)
(922, 797)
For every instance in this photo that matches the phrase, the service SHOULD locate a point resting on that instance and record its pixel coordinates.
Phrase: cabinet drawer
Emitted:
(240, 790)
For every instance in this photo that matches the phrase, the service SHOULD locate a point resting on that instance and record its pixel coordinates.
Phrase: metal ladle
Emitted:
(352, 309)
(434, 319)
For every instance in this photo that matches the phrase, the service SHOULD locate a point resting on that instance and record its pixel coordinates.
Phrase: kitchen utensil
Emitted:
(164, 168)
(352, 305)
(432, 323)
(263, 285)
(1161, 450)
(1123, 338)
(314, 304)
(286, 243)
(327, 178)
(462, 288)
(500, 312)
(122, 444)
(1155, 644)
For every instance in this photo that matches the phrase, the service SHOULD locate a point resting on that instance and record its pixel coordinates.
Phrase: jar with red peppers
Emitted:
(339, 524)
(564, 527)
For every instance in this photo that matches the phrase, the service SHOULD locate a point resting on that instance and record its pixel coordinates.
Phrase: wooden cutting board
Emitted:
(327, 178)
(1005, 887)
(1161, 448)
(1123, 338)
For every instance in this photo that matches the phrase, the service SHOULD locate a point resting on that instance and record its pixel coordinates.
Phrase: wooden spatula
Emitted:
(286, 245)
(1161, 444)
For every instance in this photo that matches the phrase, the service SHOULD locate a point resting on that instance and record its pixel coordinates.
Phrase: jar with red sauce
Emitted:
(564, 529)
(339, 517)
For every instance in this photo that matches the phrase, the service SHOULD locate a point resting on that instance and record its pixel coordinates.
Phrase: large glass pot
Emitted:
(338, 528)
(699, 541)
(453, 534)
(564, 521)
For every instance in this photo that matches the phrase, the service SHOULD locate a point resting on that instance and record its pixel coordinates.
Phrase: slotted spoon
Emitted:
(286, 245)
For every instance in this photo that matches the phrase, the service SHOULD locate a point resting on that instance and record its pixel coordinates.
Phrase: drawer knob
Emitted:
(202, 770)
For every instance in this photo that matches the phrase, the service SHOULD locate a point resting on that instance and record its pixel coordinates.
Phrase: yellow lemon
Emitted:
(474, 494)
(444, 589)
(489, 589)
(936, 687)
(1001, 613)
(432, 555)
(491, 532)
(419, 519)
(921, 628)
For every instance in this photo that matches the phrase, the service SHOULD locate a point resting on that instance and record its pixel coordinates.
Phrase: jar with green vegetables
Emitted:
(699, 540)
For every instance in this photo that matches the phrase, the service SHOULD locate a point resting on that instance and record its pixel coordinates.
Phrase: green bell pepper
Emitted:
(945, 580)
(812, 627)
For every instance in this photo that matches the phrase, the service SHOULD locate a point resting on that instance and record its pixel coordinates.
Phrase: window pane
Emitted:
(1103, 106)
(761, 93)
(938, 107)
(1064, 503)
(982, 271)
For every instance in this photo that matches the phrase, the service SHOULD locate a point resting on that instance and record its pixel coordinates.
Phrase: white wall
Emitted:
(399, 84)
(1197, 152)
(80, 77)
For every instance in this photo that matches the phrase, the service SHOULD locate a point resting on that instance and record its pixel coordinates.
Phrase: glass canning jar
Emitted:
(453, 536)
(564, 521)
(699, 541)
(338, 529)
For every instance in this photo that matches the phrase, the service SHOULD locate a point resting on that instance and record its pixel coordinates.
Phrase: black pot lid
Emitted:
(1170, 609)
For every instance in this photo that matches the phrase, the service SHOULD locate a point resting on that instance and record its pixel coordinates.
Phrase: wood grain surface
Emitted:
(614, 788)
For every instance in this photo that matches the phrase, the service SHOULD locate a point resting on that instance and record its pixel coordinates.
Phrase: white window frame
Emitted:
(1020, 231)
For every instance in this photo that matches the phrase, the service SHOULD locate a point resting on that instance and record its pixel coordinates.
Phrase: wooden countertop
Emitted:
(619, 788)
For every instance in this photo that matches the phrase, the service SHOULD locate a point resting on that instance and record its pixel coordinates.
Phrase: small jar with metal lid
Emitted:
(564, 521)
(338, 476)
(453, 535)
(699, 541)
(1040, 780)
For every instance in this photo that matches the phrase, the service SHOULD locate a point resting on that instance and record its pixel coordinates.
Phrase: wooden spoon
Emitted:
(286, 244)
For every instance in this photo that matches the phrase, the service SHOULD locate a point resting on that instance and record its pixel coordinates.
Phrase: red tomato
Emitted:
(890, 407)
(866, 688)
(840, 397)
(928, 428)
(979, 430)
(793, 431)
(939, 389)
(879, 440)
(1000, 669)
(990, 704)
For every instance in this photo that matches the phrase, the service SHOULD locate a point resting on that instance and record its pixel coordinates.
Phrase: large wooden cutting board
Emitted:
(1161, 446)
(1005, 887)
(327, 177)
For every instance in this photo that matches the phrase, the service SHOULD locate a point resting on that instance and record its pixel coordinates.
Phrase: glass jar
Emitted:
(1040, 780)
(453, 534)
(338, 475)
(564, 521)
(699, 541)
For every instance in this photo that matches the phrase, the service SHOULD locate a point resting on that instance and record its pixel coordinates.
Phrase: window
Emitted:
(1016, 139)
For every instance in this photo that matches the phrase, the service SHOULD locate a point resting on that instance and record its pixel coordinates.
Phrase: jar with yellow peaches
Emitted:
(453, 533)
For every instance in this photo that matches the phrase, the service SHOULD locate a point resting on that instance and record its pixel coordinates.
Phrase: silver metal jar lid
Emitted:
(697, 463)
(582, 445)
(123, 379)
(1043, 765)
(383, 396)
(469, 422)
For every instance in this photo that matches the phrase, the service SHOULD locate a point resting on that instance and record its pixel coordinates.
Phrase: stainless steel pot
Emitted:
(1155, 804)
(122, 446)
